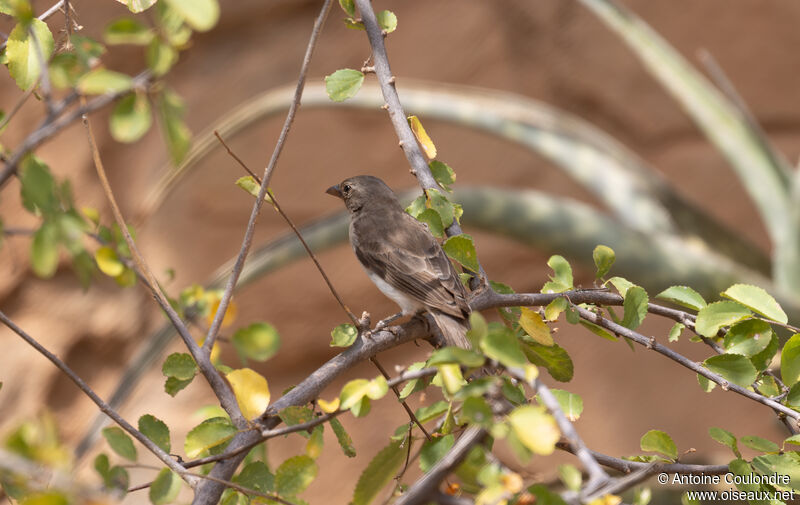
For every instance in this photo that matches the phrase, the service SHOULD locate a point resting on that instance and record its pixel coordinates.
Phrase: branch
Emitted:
(408, 142)
(160, 454)
(626, 466)
(220, 386)
(309, 389)
(248, 235)
(426, 487)
(50, 126)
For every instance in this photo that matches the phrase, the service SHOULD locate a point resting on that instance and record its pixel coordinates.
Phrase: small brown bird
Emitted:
(402, 258)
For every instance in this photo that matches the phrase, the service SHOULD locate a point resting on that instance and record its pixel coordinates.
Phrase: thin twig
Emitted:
(408, 142)
(408, 410)
(17, 106)
(248, 235)
(50, 126)
(286, 218)
(103, 406)
(221, 387)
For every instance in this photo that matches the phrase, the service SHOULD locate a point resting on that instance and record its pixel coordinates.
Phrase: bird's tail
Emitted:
(453, 329)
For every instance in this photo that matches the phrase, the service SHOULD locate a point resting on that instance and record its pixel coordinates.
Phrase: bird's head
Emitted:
(363, 191)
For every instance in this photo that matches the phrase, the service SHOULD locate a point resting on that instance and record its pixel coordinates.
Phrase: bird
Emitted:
(403, 259)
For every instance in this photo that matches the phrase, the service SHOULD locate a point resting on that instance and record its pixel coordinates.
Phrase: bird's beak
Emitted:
(334, 190)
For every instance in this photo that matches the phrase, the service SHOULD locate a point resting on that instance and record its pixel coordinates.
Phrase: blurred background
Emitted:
(553, 51)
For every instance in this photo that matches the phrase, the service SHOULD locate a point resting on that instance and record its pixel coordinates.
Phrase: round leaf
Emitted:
(208, 434)
(734, 368)
(758, 300)
(343, 84)
(251, 391)
(684, 296)
(535, 428)
(748, 337)
(462, 249)
(294, 475)
(716, 315)
(131, 118)
(155, 429)
(343, 335)
(101, 81)
(120, 442)
(24, 63)
(603, 257)
(108, 262)
(259, 341)
(387, 21)
(535, 327)
(201, 15)
(180, 366)
(165, 487)
(660, 442)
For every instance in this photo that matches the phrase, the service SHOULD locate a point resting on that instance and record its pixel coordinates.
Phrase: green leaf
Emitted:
(475, 410)
(790, 361)
(179, 365)
(763, 359)
(259, 341)
(726, 438)
(434, 450)
(256, 476)
(443, 207)
(620, 284)
(562, 279)
(102, 81)
(570, 476)
(468, 358)
(414, 385)
(160, 57)
(683, 296)
(705, 384)
(387, 21)
(343, 84)
(675, 331)
(37, 186)
(555, 308)
(554, 358)
(603, 259)
(173, 385)
(544, 496)
(443, 174)
(660, 442)
(343, 438)
(794, 440)
(450, 378)
(462, 249)
(296, 414)
(787, 464)
(201, 15)
(734, 368)
(379, 472)
(502, 345)
(793, 396)
(176, 133)
(294, 475)
(165, 487)
(714, 316)
(535, 428)
(570, 403)
(759, 444)
(208, 435)
(128, 31)
(635, 306)
(425, 414)
(24, 63)
(348, 7)
(120, 442)
(44, 250)
(155, 429)
(343, 335)
(478, 329)
(748, 337)
(434, 221)
(758, 300)
(137, 6)
(355, 390)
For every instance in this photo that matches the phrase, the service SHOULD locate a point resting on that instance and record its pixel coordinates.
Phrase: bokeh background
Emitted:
(551, 50)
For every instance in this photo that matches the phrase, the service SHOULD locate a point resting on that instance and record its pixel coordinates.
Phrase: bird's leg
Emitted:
(383, 323)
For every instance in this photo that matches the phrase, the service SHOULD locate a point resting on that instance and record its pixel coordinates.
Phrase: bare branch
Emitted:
(103, 406)
(248, 235)
(221, 387)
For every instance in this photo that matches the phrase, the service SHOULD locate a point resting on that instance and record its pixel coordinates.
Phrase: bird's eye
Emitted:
(346, 188)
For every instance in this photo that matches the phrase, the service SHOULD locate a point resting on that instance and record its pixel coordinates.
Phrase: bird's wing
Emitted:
(408, 258)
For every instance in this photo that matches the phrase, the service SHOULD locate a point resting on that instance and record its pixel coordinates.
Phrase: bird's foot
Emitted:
(383, 324)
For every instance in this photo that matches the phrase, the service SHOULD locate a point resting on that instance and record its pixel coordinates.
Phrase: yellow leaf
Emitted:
(535, 428)
(609, 499)
(422, 136)
(108, 262)
(251, 390)
(215, 351)
(532, 323)
(512, 482)
(531, 372)
(328, 407)
(230, 313)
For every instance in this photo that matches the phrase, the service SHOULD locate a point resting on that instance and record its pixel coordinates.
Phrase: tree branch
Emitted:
(248, 235)
(160, 454)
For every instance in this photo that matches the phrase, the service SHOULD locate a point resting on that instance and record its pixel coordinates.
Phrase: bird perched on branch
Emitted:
(402, 258)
